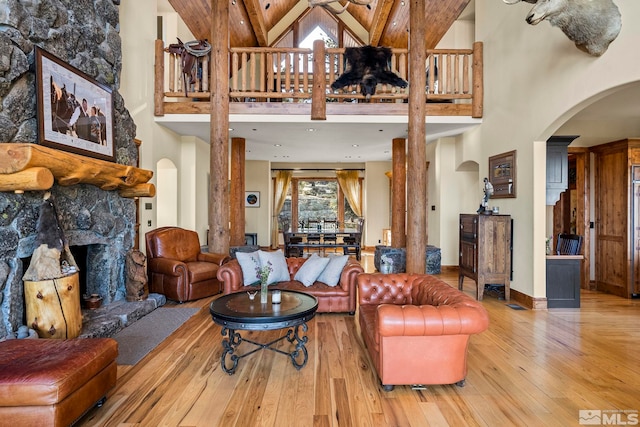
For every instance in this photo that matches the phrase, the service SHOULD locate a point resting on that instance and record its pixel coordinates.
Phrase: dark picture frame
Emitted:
(74, 111)
(502, 175)
(251, 199)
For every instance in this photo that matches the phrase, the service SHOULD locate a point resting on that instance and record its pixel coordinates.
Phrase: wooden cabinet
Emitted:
(485, 251)
(563, 281)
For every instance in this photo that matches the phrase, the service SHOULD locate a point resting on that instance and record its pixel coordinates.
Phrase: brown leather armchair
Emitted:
(177, 268)
(416, 328)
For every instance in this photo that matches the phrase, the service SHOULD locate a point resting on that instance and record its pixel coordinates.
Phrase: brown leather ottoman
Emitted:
(49, 382)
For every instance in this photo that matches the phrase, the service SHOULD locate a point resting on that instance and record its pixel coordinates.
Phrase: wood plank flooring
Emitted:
(530, 368)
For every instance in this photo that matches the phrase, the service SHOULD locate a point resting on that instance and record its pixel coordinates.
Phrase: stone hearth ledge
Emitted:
(106, 321)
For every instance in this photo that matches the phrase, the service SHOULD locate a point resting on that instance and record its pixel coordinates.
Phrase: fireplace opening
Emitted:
(80, 255)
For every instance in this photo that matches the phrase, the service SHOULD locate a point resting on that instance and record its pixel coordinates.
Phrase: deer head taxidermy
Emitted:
(326, 3)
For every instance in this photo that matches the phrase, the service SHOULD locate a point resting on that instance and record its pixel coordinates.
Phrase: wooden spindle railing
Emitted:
(287, 75)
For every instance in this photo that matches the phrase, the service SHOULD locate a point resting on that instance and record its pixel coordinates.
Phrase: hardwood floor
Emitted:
(533, 368)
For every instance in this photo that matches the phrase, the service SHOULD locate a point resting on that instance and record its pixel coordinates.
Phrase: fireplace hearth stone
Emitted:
(106, 321)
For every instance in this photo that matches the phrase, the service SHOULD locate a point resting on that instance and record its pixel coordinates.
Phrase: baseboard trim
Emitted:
(451, 269)
(533, 303)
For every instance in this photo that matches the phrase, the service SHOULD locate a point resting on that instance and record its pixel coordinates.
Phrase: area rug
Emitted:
(138, 339)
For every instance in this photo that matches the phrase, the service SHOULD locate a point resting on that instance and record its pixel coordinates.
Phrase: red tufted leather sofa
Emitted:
(331, 299)
(416, 328)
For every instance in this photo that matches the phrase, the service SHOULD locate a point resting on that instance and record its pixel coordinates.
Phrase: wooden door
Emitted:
(635, 227)
(468, 256)
(611, 213)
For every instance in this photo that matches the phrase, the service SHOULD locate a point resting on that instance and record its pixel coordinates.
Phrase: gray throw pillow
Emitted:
(333, 270)
(308, 272)
(280, 269)
(249, 262)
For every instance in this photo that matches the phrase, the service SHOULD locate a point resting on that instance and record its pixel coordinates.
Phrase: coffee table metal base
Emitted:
(234, 340)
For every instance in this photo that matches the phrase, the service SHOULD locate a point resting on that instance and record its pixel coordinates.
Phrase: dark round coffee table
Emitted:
(238, 311)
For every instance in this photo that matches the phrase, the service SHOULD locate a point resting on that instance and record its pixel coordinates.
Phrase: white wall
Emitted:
(376, 202)
(194, 186)
(453, 189)
(534, 79)
(258, 220)
(189, 154)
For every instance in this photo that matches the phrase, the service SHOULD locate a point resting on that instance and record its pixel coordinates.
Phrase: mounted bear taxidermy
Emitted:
(368, 66)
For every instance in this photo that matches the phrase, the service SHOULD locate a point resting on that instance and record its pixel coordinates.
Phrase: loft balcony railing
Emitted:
(279, 78)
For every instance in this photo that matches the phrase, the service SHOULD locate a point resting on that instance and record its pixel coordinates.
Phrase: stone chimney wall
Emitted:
(84, 34)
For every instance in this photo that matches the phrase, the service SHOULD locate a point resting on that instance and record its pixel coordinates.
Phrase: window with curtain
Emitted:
(311, 198)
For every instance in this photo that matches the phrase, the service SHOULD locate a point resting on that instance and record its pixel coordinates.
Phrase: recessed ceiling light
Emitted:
(355, 145)
(233, 2)
(277, 145)
(242, 22)
(310, 130)
(231, 129)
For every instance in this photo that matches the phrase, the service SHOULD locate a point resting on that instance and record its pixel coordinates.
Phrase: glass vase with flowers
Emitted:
(262, 273)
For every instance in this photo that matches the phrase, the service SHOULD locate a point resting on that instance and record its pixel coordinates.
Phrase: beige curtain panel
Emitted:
(283, 181)
(348, 180)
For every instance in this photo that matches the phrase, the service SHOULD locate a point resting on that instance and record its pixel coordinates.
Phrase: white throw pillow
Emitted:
(280, 269)
(309, 271)
(333, 270)
(249, 262)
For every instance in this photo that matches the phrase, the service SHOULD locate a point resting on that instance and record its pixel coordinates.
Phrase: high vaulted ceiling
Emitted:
(264, 22)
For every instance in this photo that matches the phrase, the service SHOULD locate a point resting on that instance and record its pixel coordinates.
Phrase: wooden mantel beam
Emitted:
(67, 169)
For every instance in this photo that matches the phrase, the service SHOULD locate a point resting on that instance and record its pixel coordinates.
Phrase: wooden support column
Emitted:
(478, 77)
(219, 147)
(417, 157)
(237, 191)
(319, 89)
(399, 194)
(158, 96)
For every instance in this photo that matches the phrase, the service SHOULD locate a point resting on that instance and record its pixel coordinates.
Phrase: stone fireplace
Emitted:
(83, 33)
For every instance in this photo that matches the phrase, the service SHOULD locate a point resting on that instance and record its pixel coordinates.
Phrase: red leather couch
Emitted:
(416, 328)
(176, 266)
(331, 299)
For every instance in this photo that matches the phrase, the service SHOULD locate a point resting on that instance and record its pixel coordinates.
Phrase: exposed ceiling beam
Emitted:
(379, 22)
(256, 17)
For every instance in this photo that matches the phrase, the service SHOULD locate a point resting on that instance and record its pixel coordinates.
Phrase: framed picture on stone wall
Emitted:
(74, 111)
